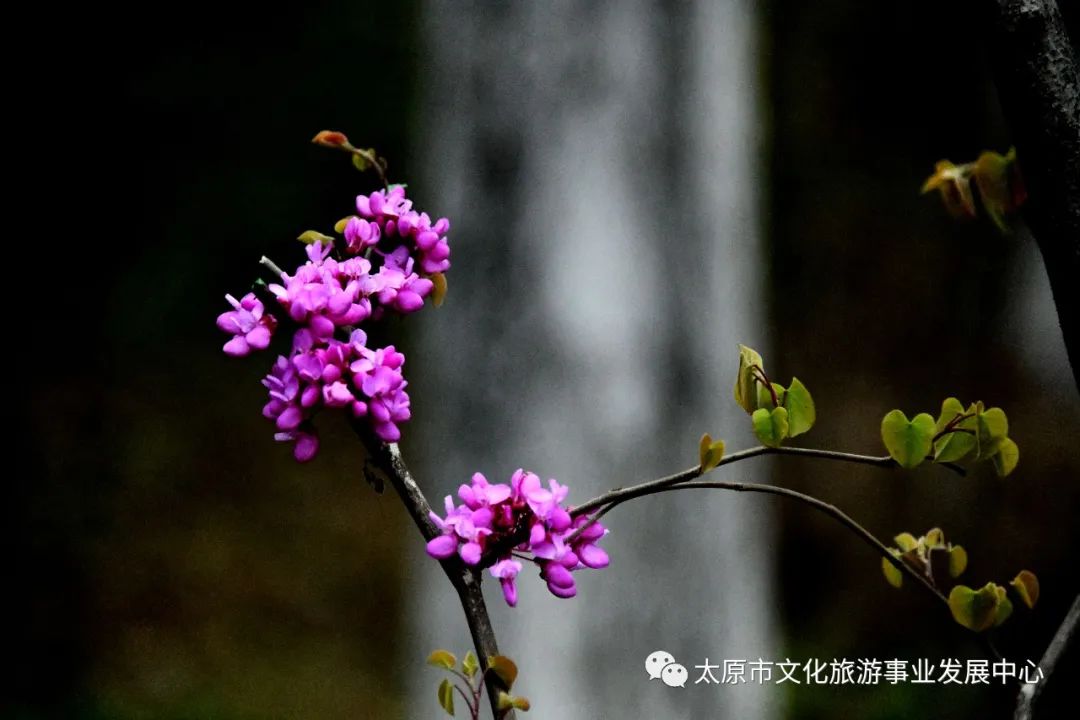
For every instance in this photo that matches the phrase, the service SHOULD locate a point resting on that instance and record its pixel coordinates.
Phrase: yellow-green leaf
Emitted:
(992, 178)
(934, 537)
(991, 431)
(908, 441)
(958, 560)
(906, 541)
(446, 697)
(521, 703)
(1026, 586)
(470, 664)
(505, 668)
(770, 427)
(438, 293)
(339, 226)
(893, 575)
(953, 446)
(310, 237)
(442, 658)
(975, 609)
(745, 390)
(1007, 457)
(1004, 607)
(710, 452)
(360, 162)
(800, 407)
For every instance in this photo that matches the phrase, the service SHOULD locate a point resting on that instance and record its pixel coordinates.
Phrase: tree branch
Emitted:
(1036, 74)
(619, 495)
(466, 580)
(820, 505)
(1025, 702)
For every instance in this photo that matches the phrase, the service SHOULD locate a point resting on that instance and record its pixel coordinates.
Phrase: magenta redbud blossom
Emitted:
(251, 329)
(528, 517)
(389, 250)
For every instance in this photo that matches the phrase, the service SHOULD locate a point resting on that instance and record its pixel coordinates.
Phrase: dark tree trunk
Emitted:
(1035, 70)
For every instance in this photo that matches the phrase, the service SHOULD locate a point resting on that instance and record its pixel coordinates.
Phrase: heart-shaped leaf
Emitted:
(309, 237)
(745, 382)
(443, 659)
(991, 431)
(470, 664)
(955, 445)
(893, 575)
(505, 668)
(1004, 608)
(1026, 586)
(800, 407)
(975, 609)
(770, 427)
(446, 697)
(1008, 455)
(710, 452)
(765, 398)
(906, 541)
(958, 560)
(908, 441)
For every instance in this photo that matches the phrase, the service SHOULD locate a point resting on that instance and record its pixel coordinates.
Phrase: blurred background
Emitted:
(634, 188)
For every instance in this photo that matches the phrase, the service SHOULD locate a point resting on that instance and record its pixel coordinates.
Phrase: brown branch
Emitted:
(821, 506)
(1025, 702)
(1035, 70)
(466, 580)
(619, 495)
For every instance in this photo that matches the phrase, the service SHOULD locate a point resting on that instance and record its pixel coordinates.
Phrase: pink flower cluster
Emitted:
(491, 515)
(329, 363)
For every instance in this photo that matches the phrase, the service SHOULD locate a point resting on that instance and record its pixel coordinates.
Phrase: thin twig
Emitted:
(622, 494)
(1025, 701)
(819, 505)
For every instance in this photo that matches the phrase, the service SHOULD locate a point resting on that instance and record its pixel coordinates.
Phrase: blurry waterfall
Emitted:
(599, 163)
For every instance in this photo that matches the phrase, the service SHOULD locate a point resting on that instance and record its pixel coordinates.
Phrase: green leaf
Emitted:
(1008, 455)
(958, 560)
(934, 537)
(770, 427)
(765, 398)
(443, 659)
(1004, 608)
(892, 573)
(310, 237)
(710, 452)
(906, 541)
(470, 664)
(1026, 586)
(361, 162)
(800, 407)
(975, 610)
(745, 382)
(950, 408)
(446, 697)
(991, 431)
(505, 668)
(908, 442)
(954, 446)
(992, 178)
